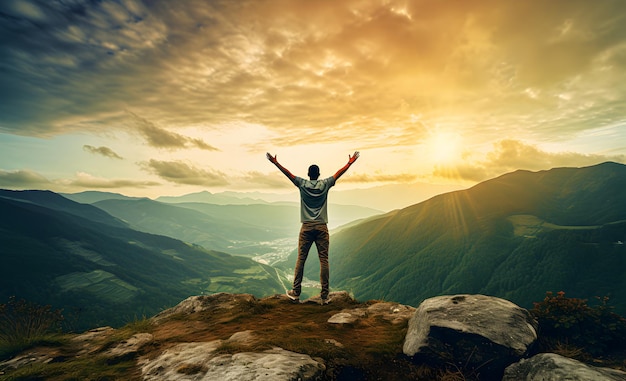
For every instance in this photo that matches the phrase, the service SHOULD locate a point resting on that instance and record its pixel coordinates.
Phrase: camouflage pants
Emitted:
(309, 233)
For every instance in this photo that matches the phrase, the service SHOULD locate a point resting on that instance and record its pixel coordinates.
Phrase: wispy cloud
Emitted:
(160, 138)
(380, 178)
(104, 151)
(182, 173)
(88, 181)
(509, 155)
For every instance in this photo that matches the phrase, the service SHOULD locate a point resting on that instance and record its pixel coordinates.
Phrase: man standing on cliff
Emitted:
(314, 217)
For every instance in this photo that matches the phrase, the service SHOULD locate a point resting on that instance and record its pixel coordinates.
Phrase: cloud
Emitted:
(22, 178)
(255, 179)
(182, 173)
(67, 63)
(88, 181)
(160, 138)
(104, 151)
(378, 177)
(310, 71)
(509, 155)
(26, 179)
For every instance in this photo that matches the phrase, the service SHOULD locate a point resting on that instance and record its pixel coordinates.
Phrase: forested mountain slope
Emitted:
(102, 274)
(515, 236)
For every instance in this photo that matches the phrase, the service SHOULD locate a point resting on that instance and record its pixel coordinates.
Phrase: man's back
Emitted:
(314, 198)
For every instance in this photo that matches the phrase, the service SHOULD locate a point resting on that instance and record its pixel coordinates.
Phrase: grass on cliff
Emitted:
(66, 365)
(370, 348)
(25, 324)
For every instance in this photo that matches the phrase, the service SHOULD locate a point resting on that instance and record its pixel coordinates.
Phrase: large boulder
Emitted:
(477, 332)
(552, 367)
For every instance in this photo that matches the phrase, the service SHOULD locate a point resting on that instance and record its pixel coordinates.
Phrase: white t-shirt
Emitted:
(313, 198)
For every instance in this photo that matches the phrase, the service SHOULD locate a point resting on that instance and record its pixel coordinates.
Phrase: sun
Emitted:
(444, 147)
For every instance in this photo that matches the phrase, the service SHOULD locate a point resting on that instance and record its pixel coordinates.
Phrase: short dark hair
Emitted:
(314, 171)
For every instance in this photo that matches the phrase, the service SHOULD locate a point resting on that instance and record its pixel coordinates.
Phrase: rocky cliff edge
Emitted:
(239, 337)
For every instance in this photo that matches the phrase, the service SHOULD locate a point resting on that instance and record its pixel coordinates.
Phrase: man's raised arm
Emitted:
(284, 170)
(351, 160)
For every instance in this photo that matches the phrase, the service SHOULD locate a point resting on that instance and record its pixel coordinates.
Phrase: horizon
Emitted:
(405, 195)
(173, 98)
(403, 199)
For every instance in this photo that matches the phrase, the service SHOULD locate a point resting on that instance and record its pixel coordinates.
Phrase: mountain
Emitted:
(283, 215)
(376, 198)
(89, 197)
(59, 203)
(102, 272)
(515, 236)
(212, 198)
(234, 205)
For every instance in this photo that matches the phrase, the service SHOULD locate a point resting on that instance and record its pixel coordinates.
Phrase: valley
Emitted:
(275, 251)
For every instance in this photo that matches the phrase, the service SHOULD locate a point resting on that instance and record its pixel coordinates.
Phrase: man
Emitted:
(314, 217)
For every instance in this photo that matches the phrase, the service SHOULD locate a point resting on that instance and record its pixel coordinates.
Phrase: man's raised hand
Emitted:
(272, 158)
(352, 159)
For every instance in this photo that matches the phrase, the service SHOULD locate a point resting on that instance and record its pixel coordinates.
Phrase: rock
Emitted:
(201, 303)
(333, 297)
(93, 334)
(244, 337)
(271, 365)
(340, 296)
(334, 342)
(393, 312)
(91, 341)
(128, 348)
(183, 361)
(198, 361)
(343, 318)
(552, 367)
(26, 359)
(473, 331)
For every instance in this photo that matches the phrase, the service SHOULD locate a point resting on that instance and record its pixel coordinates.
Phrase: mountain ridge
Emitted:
(462, 241)
(55, 201)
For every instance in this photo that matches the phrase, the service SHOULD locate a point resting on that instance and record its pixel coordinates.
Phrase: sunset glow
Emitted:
(445, 147)
(172, 97)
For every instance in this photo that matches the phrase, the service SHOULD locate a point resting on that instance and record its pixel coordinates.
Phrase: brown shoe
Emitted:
(292, 295)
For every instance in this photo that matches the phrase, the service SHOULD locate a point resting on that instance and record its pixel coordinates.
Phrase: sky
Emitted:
(154, 97)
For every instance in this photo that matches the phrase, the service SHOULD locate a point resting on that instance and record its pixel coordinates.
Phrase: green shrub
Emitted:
(571, 320)
(25, 324)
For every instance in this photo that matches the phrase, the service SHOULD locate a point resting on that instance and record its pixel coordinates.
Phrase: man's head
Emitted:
(314, 172)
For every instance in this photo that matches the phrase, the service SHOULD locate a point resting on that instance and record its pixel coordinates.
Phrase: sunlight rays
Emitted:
(444, 147)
